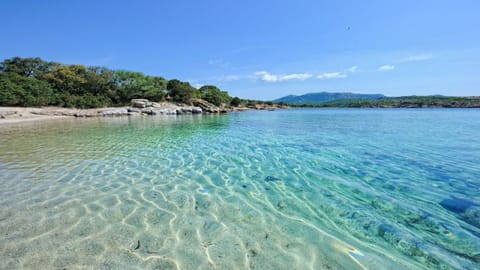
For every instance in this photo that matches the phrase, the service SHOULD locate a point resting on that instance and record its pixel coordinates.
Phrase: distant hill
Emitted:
(318, 98)
(436, 101)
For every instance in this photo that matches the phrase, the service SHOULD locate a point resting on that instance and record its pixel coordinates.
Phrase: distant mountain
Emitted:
(317, 98)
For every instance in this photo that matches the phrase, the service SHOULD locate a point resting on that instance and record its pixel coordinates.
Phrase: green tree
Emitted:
(68, 79)
(28, 67)
(181, 91)
(235, 102)
(11, 94)
(137, 85)
(214, 95)
(16, 90)
(99, 81)
(154, 89)
(34, 82)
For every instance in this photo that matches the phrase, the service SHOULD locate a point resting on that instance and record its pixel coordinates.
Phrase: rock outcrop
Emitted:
(138, 107)
(206, 106)
(141, 103)
(144, 106)
(115, 112)
(264, 106)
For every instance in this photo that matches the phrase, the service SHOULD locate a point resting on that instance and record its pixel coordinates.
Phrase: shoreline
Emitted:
(13, 115)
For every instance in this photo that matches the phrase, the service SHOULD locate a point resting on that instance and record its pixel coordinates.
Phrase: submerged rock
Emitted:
(384, 229)
(402, 241)
(466, 210)
(271, 178)
(457, 205)
(472, 217)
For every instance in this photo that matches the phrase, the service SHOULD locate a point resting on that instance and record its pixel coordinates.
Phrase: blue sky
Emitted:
(261, 49)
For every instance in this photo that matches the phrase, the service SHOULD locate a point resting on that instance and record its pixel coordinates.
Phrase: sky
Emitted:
(261, 49)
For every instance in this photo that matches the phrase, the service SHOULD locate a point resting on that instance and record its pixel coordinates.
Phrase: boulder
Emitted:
(141, 103)
(205, 106)
(196, 110)
(82, 113)
(149, 111)
(115, 112)
(170, 111)
(186, 110)
(225, 110)
(134, 110)
(160, 111)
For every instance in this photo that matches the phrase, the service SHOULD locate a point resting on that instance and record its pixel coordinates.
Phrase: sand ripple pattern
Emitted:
(299, 189)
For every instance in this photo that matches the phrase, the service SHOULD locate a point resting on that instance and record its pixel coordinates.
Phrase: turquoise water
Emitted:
(289, 189)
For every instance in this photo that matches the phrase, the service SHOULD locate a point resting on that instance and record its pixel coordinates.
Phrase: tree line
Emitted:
(402, 102)
(35, 82)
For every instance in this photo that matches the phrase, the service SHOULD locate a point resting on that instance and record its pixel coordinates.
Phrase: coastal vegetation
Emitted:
(402, 102)
(34, 82)
(320, 97)
(352, 100)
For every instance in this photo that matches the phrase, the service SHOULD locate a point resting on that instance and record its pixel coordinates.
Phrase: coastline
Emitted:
(94, 185)
(13, 115)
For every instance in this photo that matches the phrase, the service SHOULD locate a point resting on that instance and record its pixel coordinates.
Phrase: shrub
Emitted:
(235, 102)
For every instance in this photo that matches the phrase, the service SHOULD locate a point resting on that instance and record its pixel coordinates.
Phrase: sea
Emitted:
(285, 189)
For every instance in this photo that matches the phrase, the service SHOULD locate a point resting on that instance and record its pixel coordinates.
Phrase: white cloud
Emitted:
(415, 58)
(265, 76)
(352, 69)
(331, 75)
(296, 76)
(337, 75)
(386, 68)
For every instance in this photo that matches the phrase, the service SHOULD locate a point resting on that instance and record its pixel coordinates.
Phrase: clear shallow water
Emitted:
(295, 189)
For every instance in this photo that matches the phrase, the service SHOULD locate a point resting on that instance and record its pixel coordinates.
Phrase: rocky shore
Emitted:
(137, 107)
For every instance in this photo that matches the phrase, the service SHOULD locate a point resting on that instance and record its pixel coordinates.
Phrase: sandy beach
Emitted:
(11, 115)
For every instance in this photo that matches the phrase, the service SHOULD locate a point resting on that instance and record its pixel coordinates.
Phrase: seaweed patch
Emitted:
(272, 179)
